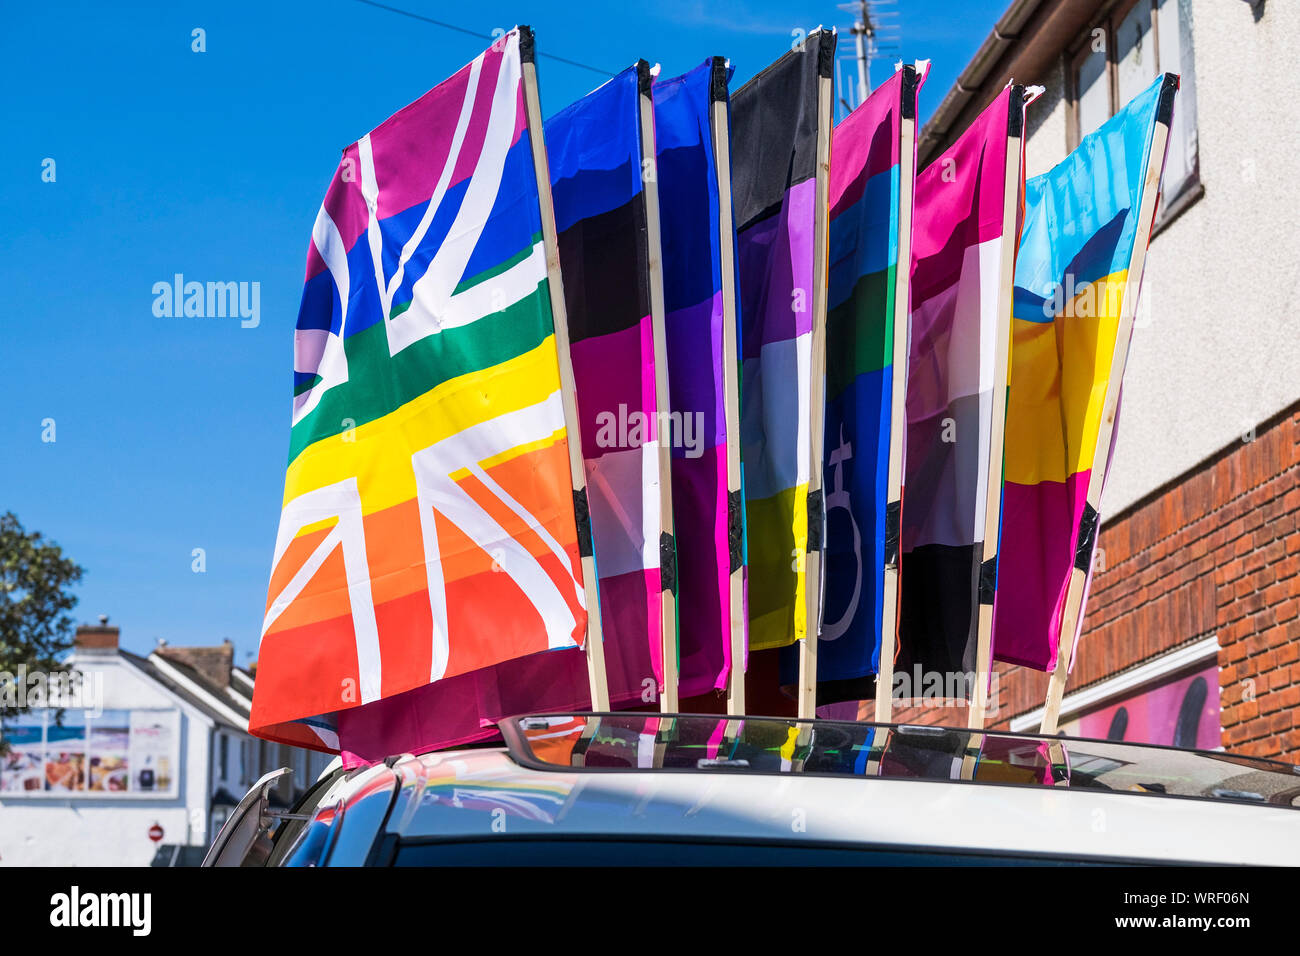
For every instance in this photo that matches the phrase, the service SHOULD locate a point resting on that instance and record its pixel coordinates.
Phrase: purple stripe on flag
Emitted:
(630, 608)
(615, 377)
(776, 272)
(703, 557)
(695, 358)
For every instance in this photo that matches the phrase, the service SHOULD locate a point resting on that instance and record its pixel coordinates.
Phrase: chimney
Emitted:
(96, 640)
(212, 663)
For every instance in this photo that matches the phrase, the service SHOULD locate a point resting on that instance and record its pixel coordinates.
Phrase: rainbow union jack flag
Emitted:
(428, 527)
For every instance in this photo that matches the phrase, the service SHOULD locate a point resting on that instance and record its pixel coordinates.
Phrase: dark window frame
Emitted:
(1171, 206)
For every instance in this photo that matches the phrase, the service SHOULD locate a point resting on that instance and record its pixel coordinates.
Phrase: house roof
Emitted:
(1026, 43)
(226, 709)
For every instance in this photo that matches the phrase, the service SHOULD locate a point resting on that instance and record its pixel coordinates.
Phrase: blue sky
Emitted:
(171, 433)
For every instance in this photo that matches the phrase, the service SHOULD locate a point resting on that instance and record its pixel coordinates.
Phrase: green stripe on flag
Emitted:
(379, 383)
(860, 331)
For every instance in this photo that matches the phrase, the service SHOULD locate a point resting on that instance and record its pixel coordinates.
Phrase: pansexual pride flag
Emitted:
(866, 196)
(428, 525)
(774, 125)
(958, 254)
(1072, 283)
(595, 152)
(689, 207)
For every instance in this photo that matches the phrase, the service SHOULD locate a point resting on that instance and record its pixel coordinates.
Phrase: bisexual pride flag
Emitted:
(775, 120)
(694, 239)
(596, 158)
(1082, 231)
(870, 205)
(428, 526)
(962, 253)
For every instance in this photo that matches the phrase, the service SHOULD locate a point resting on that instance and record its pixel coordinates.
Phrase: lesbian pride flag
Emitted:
(428, 526)
(708, 525)
(1082, 231)
(776, 118)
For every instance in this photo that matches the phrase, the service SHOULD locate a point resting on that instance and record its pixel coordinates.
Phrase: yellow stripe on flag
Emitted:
(778, 529)
(1059, 373)
(379, 453)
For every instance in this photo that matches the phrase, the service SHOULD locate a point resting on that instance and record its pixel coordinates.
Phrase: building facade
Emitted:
(141, 763)
(1192, 631)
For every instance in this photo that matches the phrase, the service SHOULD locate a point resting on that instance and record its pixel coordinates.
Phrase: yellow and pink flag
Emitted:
(1082, 226)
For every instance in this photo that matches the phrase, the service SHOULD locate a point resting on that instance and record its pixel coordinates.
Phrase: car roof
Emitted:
(693, 777)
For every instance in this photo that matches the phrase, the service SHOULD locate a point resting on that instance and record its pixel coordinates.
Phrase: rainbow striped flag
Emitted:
(1072, 283)
(866, 196)
(958, 257)
(597, 176)
(774, 129)
(689, 206)
(428, 523)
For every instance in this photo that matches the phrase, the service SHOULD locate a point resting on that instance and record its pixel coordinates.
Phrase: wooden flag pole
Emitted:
(898, 399)
(595, 642)
(718, 124)
(1087, 543)
(807, 695)
(659, 333)
(1001, 366)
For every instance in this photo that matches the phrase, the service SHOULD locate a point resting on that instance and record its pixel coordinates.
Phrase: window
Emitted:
(1119, 57)
(225, 756)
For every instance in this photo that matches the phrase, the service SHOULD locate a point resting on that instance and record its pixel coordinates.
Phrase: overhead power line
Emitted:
(482, 36)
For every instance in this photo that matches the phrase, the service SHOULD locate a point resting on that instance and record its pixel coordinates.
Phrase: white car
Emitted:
(647, 789)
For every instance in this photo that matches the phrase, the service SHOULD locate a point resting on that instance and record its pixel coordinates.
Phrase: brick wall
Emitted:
(1215, 552)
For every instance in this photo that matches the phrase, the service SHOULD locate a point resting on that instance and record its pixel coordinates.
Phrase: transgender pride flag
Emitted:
(595, 152)
(690, 212)
(427, 532)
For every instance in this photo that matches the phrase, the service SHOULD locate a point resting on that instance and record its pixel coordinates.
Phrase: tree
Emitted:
(35, 598)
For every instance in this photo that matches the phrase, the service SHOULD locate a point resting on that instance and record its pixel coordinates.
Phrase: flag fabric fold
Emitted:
(1072, 284)
(865, 247)
(958, 251)
(597, 177)
(428, 527)
(689, 205)
(774, 128)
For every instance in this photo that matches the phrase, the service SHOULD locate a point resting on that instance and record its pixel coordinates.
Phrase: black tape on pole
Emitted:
(908, 106)
(988, 580)
(1016, 112)
(1165, 108)
(826, 54)
(816, 521)
(668, 563)
(1087, 538)
(893, 521)
(582, 518)
(736, 530)
(527, 45)
(718, 80)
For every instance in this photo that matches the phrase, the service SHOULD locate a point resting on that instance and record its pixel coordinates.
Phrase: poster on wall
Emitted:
(22, 769)
(91, 753)
(65, 752)
(1183, 712)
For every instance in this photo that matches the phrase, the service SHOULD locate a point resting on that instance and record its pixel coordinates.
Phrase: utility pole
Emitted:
(868, 41)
